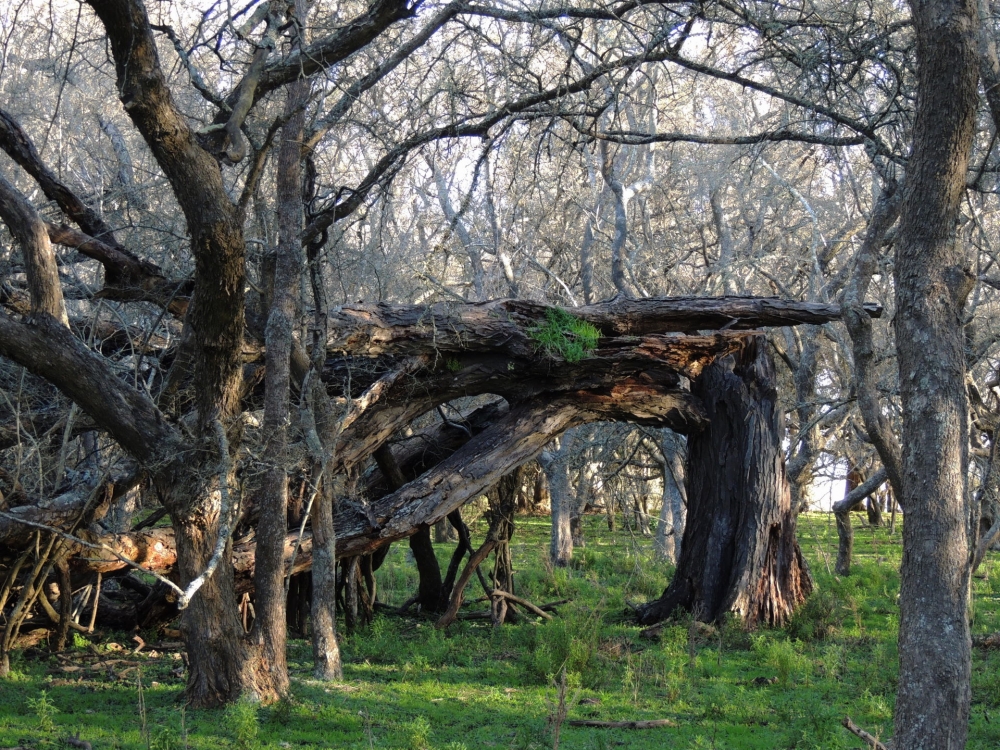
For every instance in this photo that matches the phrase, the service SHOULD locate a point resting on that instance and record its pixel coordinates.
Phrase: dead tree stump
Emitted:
(739, 552)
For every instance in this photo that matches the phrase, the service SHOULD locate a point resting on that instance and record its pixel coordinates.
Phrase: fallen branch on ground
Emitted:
(651, 724)
(857, 731)
(534, 609)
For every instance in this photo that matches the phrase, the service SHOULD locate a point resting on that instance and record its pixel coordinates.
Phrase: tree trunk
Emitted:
(270, 630)
(429, 595)
(554, 466)
(874, 511)
(429, 571)
(444, 532)
(501, 517)
(220, 667)
(932, 282)
(670, 528)
(326, 650)
(739, 552)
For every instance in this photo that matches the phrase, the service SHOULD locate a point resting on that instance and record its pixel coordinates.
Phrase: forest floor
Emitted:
(407, 685)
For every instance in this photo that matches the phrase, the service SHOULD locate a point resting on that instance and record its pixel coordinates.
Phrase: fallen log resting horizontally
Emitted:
(363, 525)
(650, 724)
(390, 364)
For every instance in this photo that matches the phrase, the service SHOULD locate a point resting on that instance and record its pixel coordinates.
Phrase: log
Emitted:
(516, 371)
(491, 347)
(374, 330)
(650, 724)
(517, 437)
(534, 609)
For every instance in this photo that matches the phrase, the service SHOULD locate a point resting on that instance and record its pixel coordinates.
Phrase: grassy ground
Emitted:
(410, 686)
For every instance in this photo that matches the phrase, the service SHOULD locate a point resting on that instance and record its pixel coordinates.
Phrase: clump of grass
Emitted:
(418, 734)
(819, 618)
(564, 335)
(559, 708)
(283, 711)
(783, 656)
(570, 643)
(44, 709)
(244, 725)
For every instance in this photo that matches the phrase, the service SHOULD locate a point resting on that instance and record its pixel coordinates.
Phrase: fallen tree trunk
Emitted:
(648, 370)
(398, 362)
(376, 330)
(364, 525)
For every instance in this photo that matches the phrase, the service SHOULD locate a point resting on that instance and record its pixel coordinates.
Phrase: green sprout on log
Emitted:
(564, 335)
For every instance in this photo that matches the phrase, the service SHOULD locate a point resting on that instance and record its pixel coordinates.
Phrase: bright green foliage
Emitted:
(243, 724)
(564, 336)
(44, 710)
(407, 685)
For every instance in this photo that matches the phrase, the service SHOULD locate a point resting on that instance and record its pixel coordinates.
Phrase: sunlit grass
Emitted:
(408, 685)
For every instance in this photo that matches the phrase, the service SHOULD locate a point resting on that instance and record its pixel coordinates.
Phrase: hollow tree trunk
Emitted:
(739, 552)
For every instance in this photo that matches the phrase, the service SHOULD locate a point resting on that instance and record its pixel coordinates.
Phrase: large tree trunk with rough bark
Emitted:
(932, 282)
(739, 553)
(221, 669)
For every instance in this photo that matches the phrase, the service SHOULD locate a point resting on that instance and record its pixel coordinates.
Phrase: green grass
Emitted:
(410, 686)
(564, 335)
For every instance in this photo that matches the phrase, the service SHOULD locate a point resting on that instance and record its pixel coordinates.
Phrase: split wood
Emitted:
(854, 729)
(651, 724)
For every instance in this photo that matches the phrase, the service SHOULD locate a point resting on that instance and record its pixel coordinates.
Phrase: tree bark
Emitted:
(670, 528)
(270, 630)
(327, 663)
(554, 466)
(739, 552)
(220, 668)
(44, 288)
(842, 511)
(932, 282)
